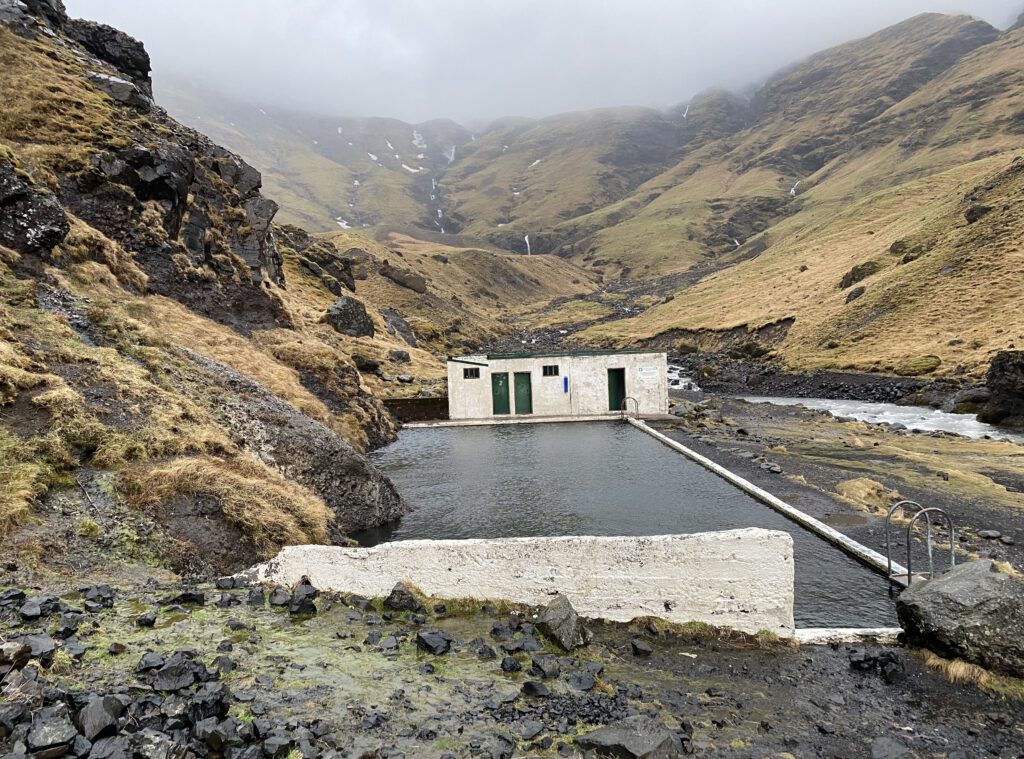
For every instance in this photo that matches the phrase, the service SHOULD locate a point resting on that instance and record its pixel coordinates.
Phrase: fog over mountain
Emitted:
(474, 60)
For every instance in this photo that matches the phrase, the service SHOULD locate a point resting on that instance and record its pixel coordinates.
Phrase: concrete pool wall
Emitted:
(738, 579)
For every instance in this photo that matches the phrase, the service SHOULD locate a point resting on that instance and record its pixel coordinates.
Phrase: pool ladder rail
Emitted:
(624, 408)
(918, 511)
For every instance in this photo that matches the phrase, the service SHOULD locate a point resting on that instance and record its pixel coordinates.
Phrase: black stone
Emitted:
(98, 718)
(641, 647)
(402, 598)
(435, 642)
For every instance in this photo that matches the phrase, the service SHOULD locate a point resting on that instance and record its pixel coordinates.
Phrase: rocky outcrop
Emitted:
(972, 612)
(348, 316)
(304, 450)
(319, 257)
(1005, 382)
(32, 221)
(123, 52)
(404, 278)
(397, 325)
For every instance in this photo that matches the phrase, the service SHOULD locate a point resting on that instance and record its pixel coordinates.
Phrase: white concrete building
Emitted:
(571, 384)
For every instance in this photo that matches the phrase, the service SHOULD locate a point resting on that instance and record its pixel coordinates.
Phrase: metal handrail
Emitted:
(952, 541)
(888, 519)
(624, 407)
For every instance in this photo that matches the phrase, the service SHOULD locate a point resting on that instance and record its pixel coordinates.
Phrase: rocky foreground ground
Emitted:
(205, 671)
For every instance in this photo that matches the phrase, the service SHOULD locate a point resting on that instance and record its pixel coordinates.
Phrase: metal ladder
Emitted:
(928, 514)
(624, 409)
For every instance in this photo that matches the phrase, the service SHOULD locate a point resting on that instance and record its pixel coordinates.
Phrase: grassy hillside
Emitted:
(892, 201)
(330, 172)
(751, 210)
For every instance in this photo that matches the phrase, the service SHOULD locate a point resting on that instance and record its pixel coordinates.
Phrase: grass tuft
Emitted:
(270, 510)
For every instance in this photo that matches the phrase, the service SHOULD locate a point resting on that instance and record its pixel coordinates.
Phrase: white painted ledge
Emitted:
(740, 579)
(822, 636)
(872, 558)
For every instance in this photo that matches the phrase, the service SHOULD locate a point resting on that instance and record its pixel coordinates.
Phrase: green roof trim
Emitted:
(560, 354)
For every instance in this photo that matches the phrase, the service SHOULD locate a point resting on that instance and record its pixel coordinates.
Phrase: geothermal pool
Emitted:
(602, 479)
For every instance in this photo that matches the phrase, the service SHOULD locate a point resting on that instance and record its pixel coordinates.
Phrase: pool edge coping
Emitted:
(862, 553)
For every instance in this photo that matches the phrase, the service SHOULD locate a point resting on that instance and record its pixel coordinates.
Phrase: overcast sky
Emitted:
(473, 60)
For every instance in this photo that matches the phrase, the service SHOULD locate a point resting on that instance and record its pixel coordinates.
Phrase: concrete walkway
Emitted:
(611, 416)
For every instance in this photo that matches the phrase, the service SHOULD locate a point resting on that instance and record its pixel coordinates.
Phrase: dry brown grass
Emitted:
(960, 672)
(867, 494)
(269, 509)
(46, 99)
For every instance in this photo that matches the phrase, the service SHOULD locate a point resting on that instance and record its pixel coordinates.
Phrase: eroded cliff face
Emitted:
(149, 336)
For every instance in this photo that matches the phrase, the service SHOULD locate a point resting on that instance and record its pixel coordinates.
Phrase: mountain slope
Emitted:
(331, 172)
(702, 216)
(156, 351)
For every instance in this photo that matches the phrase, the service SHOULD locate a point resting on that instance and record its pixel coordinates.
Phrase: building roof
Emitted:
(549, 354)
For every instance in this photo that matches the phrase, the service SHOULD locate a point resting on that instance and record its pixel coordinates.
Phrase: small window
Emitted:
(551, 371)
(473, 373)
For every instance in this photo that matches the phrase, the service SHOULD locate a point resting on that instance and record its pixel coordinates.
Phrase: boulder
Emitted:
(638, 737)
(969, 400)
(31, 220)
(855, 293)
(400, 356)
(436, 642)
(1005, 382)
(348, 316)
(973, 612)
(560, 623)
(396, 325)
(976, 211)
(320, 258)
(404, 278)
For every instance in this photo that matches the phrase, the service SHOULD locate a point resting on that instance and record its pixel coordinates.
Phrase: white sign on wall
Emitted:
(647, 373)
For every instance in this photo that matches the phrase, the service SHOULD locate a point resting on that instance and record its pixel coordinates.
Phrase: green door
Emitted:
(616, 389)
(524, 393)
(499, 392)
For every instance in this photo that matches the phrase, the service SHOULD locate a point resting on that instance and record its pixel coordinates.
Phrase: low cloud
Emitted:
(474, 60)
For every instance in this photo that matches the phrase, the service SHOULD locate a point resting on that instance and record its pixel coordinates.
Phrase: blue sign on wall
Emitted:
(565, 384)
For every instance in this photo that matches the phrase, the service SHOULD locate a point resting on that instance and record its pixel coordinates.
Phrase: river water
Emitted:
(601, 479)
(912, 417)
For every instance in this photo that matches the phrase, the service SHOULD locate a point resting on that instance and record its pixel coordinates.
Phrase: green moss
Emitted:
(913, 367)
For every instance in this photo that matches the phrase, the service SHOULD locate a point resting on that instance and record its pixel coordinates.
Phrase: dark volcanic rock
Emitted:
(636, 737)
(31, 221)
(402, 599)
(976, 211)
(560, 623)
(348, 316)
(397, 325)
(972, 612)
(301, 601)
(434, 642)
(309, 452)
(113, 46)
(319, 257)
(98, 718)
(51, 727)
(1005, 382)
